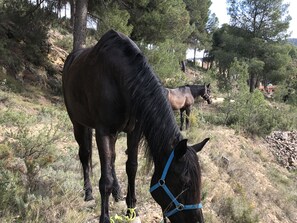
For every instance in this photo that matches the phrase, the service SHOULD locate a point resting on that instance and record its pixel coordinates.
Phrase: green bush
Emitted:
(12, 196)
(253, 114)
(65, 43)
(30, 184)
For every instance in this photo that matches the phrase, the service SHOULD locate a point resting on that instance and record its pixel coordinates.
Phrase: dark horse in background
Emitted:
(111, 88)
(183, 98)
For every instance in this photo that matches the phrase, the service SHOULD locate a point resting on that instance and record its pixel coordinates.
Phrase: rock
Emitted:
(284, 147)
(291, 161)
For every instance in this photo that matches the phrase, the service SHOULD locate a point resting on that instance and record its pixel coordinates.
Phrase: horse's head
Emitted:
(206, 96)
(176, 184)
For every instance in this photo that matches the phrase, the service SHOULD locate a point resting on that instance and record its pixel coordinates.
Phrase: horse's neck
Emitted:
(157, 122)
(165, 152)
(165, 147)
(197, 91)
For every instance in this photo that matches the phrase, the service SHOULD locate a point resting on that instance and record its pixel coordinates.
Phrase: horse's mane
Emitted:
(194, 171)
(148, 101)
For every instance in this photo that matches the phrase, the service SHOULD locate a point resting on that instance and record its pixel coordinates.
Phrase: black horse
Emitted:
(183, 98)
(111, 88)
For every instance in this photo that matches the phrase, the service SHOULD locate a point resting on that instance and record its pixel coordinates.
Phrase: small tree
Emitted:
(264, 19)
(256, 67)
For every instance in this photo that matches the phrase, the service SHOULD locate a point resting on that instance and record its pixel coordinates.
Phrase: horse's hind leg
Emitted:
(83, 136)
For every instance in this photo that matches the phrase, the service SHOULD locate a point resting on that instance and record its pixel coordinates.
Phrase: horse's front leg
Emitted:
(116, 189)
(181, 119)
(131, 169)
(83, 136)
(188, 112)
(106, 147)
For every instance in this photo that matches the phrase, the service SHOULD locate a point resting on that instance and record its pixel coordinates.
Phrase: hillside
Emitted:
(245, 179)
(41, 178)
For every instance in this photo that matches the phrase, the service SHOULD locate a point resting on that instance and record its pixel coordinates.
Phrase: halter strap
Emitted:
(161, 183)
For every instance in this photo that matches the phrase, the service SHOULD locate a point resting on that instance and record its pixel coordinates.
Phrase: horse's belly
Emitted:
(113, 117)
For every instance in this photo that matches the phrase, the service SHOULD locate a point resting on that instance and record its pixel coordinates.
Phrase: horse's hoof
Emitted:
(89, 197)
(136, 220)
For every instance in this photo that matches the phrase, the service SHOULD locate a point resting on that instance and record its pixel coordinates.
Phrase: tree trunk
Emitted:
(183, 66)
(65, 11)
(80, 24)
(72, 12)
(252, 83)
(194, 56)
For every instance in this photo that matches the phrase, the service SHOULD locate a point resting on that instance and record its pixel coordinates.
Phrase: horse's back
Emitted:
(93, 82)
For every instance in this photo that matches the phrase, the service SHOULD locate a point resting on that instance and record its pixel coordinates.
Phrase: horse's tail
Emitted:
(90, 151)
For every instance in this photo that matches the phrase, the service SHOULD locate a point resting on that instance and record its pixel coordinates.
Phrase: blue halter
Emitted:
(161, 183)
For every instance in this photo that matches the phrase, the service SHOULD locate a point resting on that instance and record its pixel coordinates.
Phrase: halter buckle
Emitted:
(180, 207)
(161, 182)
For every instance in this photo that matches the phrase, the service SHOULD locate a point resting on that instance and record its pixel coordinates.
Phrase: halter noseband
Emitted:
(161, 183)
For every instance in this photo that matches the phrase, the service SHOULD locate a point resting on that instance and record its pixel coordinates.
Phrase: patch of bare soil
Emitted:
(244, 173)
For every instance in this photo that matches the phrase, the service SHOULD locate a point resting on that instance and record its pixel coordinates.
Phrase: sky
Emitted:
(219, 7)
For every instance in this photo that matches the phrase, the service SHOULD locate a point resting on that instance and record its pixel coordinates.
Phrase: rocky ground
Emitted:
(284, 147)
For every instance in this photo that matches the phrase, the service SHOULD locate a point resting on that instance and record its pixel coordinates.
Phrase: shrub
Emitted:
(238, 210)
(253, 114)
(27, 155)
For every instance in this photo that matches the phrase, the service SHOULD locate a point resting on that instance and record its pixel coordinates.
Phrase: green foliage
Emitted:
(23, 34)
(267, 19)
(256, 66)
(157, 21)
(199, 20)
(13, 192)
(65, 44)
(252, 114)
(235, 79)
(254, 36)
(165, 58)
(286, 93)
(247, 112)
(25, 153)
(111, 16)
(277, 60)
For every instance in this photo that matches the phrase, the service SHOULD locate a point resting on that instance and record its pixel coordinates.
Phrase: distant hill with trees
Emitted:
(293, 41)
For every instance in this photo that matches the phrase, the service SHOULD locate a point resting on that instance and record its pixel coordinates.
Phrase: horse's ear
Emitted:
(208, 86)
(181, 148)
(198, 147)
